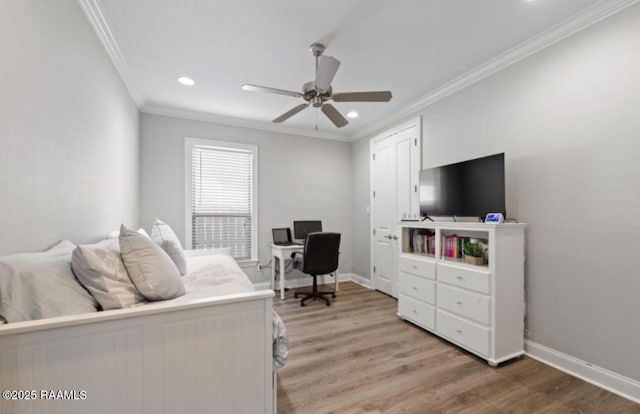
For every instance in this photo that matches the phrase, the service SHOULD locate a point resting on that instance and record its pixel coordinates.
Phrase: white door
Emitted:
(407, 175)
(383, 216)
(395, 166)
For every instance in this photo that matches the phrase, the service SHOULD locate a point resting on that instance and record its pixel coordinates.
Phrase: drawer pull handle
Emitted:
(415, 267)
(415, 311)
(459, 277)
(459, 302)
(459, 331)
(414, 287)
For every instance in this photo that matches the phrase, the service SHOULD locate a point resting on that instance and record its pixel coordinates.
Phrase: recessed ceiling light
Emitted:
(352, 114)
(186, 81)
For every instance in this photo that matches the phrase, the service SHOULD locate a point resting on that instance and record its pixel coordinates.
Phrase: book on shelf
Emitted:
(422, 241)
(453, 246)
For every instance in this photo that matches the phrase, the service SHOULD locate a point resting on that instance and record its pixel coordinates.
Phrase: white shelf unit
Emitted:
(477, 307)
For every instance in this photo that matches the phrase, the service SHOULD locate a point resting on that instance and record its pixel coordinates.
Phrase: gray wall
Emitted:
(298, 178)
(68, 130)
(567, 119)
(360, 214)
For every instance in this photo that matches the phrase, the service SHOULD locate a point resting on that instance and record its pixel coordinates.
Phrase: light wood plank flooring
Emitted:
(356, 356)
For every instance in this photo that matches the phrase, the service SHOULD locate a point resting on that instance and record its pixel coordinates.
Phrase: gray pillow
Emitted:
(42, 285)
(100, 269)
(151, 269)
(165, 237)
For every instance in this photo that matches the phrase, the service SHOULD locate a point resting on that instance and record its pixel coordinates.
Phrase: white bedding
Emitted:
(220, 274)
(210, 275)
(213, 275)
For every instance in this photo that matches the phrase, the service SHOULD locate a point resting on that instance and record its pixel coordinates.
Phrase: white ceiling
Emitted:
(411, 47)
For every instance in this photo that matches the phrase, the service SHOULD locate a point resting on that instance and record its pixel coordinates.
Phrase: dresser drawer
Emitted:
(416, 311)
(418, 288)
(471, 305)
(477, 280)
(418, 267)
(470, 336)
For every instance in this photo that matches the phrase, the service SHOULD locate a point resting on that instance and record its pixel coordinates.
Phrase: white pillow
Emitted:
(151, 269)
(42, 285)
(165, 237)
(116, 233)
(100, 269)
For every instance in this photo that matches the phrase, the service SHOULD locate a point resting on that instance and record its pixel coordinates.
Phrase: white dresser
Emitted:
(477, 307)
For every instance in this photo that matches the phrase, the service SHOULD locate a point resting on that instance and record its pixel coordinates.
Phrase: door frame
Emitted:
(412, 123)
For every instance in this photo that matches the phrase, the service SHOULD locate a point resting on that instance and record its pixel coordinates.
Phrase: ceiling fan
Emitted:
(316, 93)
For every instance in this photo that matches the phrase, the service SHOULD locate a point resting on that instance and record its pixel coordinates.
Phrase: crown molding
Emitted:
(92, 10)
(238, 122)
(566, 28)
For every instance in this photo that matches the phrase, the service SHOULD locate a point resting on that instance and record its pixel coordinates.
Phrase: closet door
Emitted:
(407, 175)
(383, 215)
(395, 168)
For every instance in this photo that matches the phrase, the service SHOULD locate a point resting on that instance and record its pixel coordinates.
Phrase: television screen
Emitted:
(467, 189)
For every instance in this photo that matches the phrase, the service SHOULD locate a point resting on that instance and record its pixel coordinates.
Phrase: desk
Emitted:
(284, 253)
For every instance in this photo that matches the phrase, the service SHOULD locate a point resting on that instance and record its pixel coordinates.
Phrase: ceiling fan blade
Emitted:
(256, 88)
(327, 68)
(332, 113)
(290, 113)
(378, 96)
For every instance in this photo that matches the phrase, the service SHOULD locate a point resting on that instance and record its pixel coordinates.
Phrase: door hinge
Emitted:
(374, 157)
(374, 232)
(374, 193)
(374, 269)
(415, 142)
(415, 188)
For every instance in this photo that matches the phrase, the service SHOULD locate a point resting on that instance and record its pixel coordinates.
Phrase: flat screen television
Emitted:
(470, 188)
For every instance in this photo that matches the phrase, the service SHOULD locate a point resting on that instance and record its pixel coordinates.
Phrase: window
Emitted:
(221, 196)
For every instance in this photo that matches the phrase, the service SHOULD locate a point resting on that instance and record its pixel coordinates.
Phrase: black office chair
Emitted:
(320, 257)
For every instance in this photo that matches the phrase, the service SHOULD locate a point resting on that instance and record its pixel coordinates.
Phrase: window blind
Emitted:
(221, 199)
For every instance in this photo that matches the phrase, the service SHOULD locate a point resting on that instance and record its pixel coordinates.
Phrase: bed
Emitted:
(209, 351)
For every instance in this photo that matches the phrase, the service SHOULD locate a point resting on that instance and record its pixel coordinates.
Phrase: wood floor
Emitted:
(356, 356)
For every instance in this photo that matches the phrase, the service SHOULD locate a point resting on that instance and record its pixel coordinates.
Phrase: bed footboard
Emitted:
(209, 355)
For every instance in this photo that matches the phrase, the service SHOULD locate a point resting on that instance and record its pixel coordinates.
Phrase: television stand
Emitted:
(475, 303)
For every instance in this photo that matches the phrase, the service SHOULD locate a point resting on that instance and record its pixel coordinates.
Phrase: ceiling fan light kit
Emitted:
(319, 91)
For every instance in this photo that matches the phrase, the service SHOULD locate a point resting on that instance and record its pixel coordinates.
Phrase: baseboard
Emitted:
(363, 281)
(603, 378)
(308, 281)
(301, 282)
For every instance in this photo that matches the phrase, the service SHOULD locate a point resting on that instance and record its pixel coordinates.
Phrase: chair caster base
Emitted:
(316, 295)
